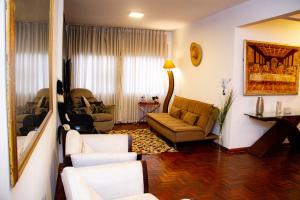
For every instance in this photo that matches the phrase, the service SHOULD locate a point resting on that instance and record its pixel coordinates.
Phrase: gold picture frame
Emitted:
(270, 68)
(17, 167)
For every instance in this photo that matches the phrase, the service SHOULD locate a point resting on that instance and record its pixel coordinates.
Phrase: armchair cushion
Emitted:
(92, 159)
(102, 117)
(115, 180)
(106, 143)
(87, 148)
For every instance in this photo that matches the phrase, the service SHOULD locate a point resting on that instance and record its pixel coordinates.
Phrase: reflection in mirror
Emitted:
(31, 70)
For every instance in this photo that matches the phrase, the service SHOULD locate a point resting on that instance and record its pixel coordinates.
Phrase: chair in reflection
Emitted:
(103, 115)
(80, 122)
(30, 116)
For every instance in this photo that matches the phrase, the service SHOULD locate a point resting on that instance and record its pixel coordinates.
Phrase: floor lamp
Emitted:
(169, 65)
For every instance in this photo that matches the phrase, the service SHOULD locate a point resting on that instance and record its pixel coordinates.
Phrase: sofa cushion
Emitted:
(201, 109)
(175, 112)
(183, 112)
(190, 118)
(102, 117)
(172, 123)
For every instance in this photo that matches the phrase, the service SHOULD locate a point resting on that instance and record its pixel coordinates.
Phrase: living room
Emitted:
(224, 34)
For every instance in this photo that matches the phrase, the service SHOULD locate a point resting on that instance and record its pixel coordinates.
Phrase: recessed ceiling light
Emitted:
(137, 15)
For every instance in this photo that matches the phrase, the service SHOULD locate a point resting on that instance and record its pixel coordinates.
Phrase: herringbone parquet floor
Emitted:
(199, 171)
(204, 173)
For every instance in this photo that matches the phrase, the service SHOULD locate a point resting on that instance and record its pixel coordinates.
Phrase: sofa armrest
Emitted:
(115, 180)
(91, 159)
(108, 143)
(212, 120)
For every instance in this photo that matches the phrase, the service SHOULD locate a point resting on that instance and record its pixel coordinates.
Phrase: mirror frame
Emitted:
(16, 168)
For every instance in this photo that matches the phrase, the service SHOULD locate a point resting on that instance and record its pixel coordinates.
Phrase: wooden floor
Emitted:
(200, 171)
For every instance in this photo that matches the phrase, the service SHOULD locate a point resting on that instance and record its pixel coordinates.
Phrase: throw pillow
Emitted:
(190, 118)
(183, 112)
(85, 101)
(98, 107)
(175, 112)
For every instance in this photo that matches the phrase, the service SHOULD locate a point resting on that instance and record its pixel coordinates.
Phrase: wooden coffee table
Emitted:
(285, 127)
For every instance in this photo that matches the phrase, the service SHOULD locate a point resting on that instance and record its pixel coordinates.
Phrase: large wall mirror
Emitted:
(29, 49)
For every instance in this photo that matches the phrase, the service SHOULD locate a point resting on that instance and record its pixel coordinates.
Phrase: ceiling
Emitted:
(159, 14)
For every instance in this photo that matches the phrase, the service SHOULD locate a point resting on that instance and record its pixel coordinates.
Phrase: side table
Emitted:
(147, 107)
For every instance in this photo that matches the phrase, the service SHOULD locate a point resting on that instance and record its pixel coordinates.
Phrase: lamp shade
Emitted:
(169, 64)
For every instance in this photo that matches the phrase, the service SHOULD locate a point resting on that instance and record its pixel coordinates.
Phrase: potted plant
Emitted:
(223, 113)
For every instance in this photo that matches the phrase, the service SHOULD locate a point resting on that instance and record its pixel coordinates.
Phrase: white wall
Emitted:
(217, 36)
(38, 180)
(279, 31)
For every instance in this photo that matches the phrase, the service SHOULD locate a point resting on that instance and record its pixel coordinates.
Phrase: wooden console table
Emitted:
(285, 127)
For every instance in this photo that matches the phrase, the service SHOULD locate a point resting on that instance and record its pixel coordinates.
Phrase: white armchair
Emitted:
(118, 181)
(97, 149)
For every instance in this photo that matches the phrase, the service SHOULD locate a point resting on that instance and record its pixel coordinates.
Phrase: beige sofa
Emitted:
(103, 121)
(187, 120)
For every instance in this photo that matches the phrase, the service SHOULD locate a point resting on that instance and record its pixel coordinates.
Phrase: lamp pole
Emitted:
(170, 91)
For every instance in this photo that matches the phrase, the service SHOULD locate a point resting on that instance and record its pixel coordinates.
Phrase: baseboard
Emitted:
(238, 150)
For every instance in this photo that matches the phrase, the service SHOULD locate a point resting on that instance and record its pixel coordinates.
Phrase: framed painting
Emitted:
(270, 69)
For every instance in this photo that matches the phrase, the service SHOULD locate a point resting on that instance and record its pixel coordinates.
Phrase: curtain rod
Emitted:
(103, 26)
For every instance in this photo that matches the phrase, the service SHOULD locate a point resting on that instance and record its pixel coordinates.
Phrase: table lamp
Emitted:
(169, 65)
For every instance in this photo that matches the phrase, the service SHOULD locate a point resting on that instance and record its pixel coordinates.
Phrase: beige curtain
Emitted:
(119, 65)
(31, 60)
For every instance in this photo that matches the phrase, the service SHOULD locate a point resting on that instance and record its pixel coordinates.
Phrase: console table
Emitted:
(285, 127)
(148, 107)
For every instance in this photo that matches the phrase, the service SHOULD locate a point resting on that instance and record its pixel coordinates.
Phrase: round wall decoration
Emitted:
(196, 53)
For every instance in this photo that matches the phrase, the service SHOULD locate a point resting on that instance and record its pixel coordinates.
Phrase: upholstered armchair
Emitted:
(97, 149)
(103, 119)
(118, 181)
(31, 110)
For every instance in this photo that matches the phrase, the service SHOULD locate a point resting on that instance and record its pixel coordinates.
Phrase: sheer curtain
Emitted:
(119, 65)
(31, 60)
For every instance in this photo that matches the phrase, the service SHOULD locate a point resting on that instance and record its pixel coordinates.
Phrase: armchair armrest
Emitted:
(110, 108)
(91, 159)
(108, 143)
(115, 180)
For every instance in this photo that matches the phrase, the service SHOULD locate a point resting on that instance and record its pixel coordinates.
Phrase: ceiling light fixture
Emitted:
(137, 15)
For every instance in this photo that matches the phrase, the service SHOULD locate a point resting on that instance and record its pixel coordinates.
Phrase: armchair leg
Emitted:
(139, 157)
